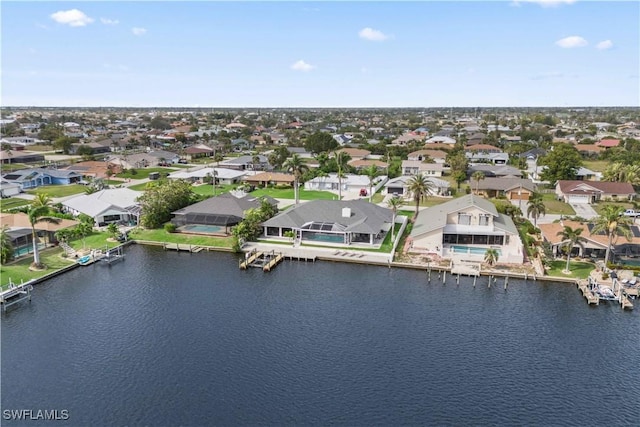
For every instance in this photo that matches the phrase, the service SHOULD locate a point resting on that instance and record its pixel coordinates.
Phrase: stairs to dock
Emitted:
(68, 249)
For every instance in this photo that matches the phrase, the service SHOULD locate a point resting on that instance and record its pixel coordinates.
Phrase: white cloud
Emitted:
(604, 45)
(138, 31)
(372, 35)
(544, 3)
(107, 21)
(571, 41)
(302, 66)
(72, 17)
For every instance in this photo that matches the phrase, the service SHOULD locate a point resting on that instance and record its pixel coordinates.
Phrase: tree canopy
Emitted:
(161, 199)
(561, 163)
(320, 142)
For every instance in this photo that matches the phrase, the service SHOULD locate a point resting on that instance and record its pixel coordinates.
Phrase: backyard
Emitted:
(143, 173)
(579, 270)
(19, 270)
(161, 236)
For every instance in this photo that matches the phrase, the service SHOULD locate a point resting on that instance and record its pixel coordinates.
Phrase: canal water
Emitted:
(169, 339)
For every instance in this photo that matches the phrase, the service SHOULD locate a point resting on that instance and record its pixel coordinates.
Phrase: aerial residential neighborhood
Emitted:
(508, 166)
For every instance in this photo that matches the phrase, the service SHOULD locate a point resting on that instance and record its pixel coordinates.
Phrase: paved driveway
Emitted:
(584, 210)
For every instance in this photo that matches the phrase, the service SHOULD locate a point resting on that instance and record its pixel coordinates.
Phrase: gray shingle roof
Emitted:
(365, 217)
(436, 217)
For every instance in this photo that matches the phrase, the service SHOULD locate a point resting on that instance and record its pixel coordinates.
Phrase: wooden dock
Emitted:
(273, 262)
(182, 247)
(265, 260)
(592, 298)
(15, 293)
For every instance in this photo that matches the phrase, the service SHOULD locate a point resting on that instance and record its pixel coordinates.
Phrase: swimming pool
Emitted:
(328, 238)
(202, 228)
(26, 250)
(473, 250)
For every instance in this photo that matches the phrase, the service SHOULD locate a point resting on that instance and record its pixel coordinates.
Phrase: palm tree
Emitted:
(38, 214)
(420, 187)
(297, 167)
(6, 247)
(478, 176)
(371, 172)
(491, 256)
(536, 207)
(341, 160)
(394, 204)
(612, 223)
(571, 236)
(41, 200)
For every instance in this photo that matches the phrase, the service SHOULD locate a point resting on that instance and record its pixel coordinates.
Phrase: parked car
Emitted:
(631, 213)
(363, 192)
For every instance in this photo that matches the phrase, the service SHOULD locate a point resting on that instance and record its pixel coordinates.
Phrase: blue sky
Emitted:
(313, 54)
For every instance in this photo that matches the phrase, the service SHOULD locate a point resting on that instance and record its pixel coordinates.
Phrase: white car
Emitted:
(631, 213)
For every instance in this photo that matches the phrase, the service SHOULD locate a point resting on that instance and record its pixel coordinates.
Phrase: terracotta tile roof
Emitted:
(589, 147)
(270, 176)
(550, 233)
(608, 142)
(22, 220)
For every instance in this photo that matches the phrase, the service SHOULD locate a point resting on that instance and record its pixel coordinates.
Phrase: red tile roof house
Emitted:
(593, 191)
(608, 143)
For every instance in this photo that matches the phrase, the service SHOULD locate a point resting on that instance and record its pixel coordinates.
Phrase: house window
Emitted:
(483, 219)
(464, 219)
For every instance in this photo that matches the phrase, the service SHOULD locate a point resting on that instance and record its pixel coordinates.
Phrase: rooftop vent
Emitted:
(346, 212)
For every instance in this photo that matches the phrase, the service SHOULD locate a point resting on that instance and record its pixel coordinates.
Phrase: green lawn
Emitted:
(596, 165)
(139, 187)
(10, 167)
(579, 270)
(553, 205)
(58, 190)
(287, 193)
(19, 271)
(7, 204)
(143, 173)
(96, 240)
(160, 235)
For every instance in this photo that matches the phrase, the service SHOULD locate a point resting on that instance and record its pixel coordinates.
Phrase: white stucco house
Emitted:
(465, 228)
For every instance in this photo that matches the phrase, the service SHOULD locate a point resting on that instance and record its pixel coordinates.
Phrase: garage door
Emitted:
(579, 199)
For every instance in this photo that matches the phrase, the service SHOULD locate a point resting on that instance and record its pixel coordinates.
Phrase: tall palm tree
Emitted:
(420, 187)
(38, 214)
(297, 167)
(571, 236)
(372, 173)
(342, 159)
(491, 256)
(478, 176)
(612, 223)
(394, 204)
(536, 207)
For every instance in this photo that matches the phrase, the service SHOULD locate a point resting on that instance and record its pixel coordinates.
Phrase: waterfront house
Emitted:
(343, 222)
(216, 214)
(464, 228)
(117, 205)
(21, 235)
(593, 191)
(594, 246)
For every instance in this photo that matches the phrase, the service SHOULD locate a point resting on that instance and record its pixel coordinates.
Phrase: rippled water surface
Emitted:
(170, 339)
